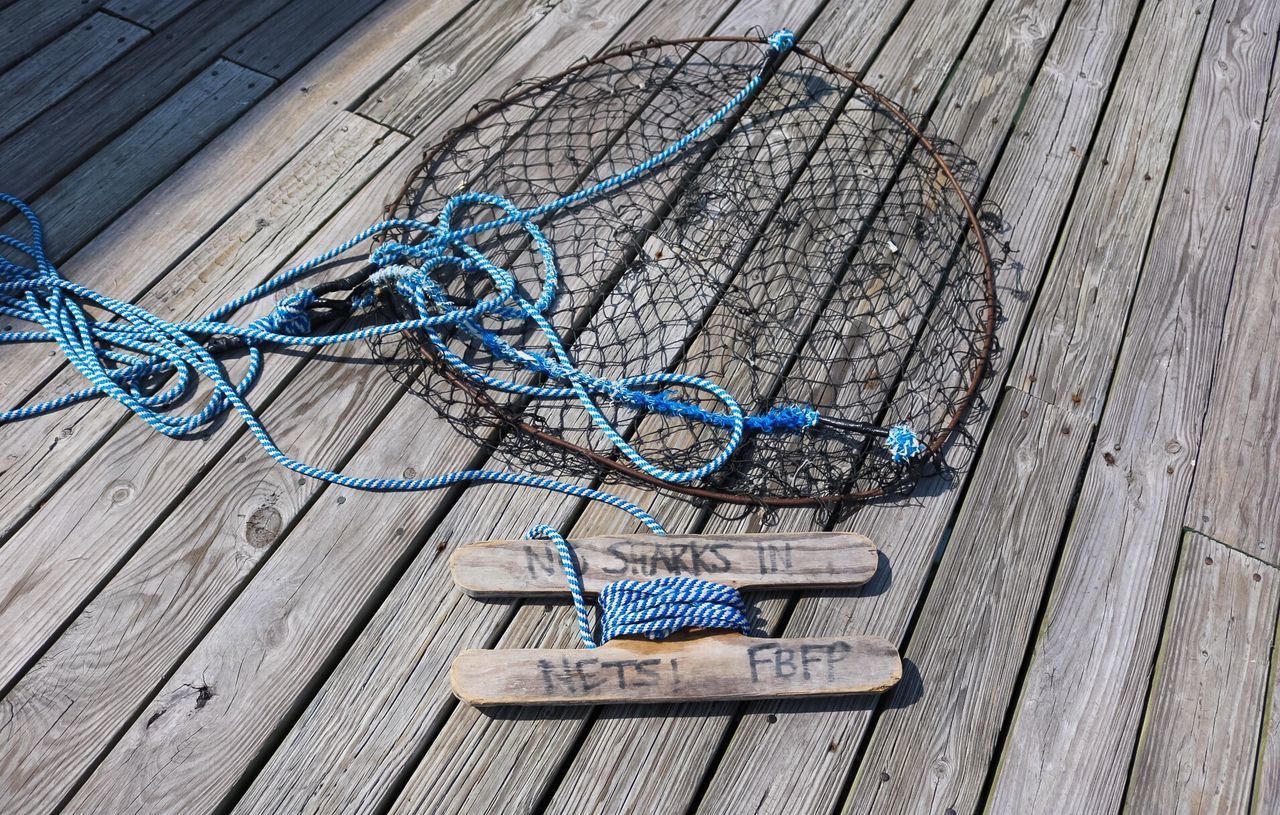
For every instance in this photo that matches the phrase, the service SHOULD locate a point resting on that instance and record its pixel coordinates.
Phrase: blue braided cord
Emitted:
(654, 608)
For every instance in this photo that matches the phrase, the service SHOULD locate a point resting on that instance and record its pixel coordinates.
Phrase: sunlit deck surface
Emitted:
(1086, 610)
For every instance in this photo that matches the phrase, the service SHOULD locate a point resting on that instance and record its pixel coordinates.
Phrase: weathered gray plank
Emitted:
(1200, 737)
(818, 751)
(287, 39)
(934, 741)
(1103, 620)
(142, 621)
(131, 254)
(306, 405)
(71, 130)
(149, 13)
(523, 568)
(1235, 497)
(51, 73)
(27, 25)
(94, 193)
(1035, 179)
(1266, 783)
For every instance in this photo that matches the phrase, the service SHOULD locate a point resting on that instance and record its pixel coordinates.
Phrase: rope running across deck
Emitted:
(120, 358)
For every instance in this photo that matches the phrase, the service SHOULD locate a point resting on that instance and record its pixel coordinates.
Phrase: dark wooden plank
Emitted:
(122, 171)
(49, 74)
(1102, 624)
(149, 13)
(1200, 738)
(70, 131)
(287, 39)
(932, 746)
(49, 752)
(28, 25)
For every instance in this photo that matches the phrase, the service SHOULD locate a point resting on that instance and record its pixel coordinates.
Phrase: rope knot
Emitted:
(782, 40)
(290, 315)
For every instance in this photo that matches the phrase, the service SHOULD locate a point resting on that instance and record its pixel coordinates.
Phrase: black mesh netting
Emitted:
(812, 250)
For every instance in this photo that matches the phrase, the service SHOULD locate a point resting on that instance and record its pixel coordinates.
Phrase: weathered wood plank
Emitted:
(68, 132)
(318, 758)
(1266, 782)
(934, 741)
(51, 73)
(143, 620)
(129, 254)
(1103, 621)
(287, 39)
(306, 404)
(28, 25)
(1235, 497)
(1003, 57)
(1200, 738)
(689, 668)
(148, 239)
(524, 568)
(1035, 178)
(79, 205)
(149, 13)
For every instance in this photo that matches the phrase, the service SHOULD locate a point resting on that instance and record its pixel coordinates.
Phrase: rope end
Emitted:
(903, 443)
(782, 40)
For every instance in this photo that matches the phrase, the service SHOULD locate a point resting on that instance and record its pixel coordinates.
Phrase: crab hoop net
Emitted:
(817, 248)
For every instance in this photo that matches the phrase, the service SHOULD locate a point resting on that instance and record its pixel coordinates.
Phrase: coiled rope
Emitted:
(121, 357)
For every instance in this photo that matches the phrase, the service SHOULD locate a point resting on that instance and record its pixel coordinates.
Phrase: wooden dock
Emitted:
(1087, 612)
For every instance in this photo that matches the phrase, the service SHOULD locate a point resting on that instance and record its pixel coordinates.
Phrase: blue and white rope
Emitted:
(120, 357)
(654, 608)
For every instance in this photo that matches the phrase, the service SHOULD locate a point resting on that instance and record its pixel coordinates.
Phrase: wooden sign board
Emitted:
(685, 668)
(531, 568)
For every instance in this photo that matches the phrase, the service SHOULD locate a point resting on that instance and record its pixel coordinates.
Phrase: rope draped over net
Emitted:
(151, 365)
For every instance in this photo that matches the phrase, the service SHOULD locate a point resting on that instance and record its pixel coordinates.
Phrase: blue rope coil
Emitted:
(654, 608)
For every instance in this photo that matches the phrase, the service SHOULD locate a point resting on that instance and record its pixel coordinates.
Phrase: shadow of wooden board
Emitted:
(1199, 743)
(26, 26)
(88, 198)
(57, 69)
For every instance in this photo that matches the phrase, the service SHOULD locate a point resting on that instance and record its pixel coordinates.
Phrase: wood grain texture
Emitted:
(171, 588)
(1200, 737)
(129, 256)
(413, 91)
(28, 25)
(1235, 497)
(149, 13)
(68, 132)
(1266, 782)
(1103, 621)
(57, 69)
(1035, 178)
(933, 743)
(283, 42)
(817, 750)
(358, 568)
(685, 669)
(1071, 345)
(524, 568)
(89, 197)
(406, 715)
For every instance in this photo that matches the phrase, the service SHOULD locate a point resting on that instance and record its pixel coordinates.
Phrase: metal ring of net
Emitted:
(818, 249)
